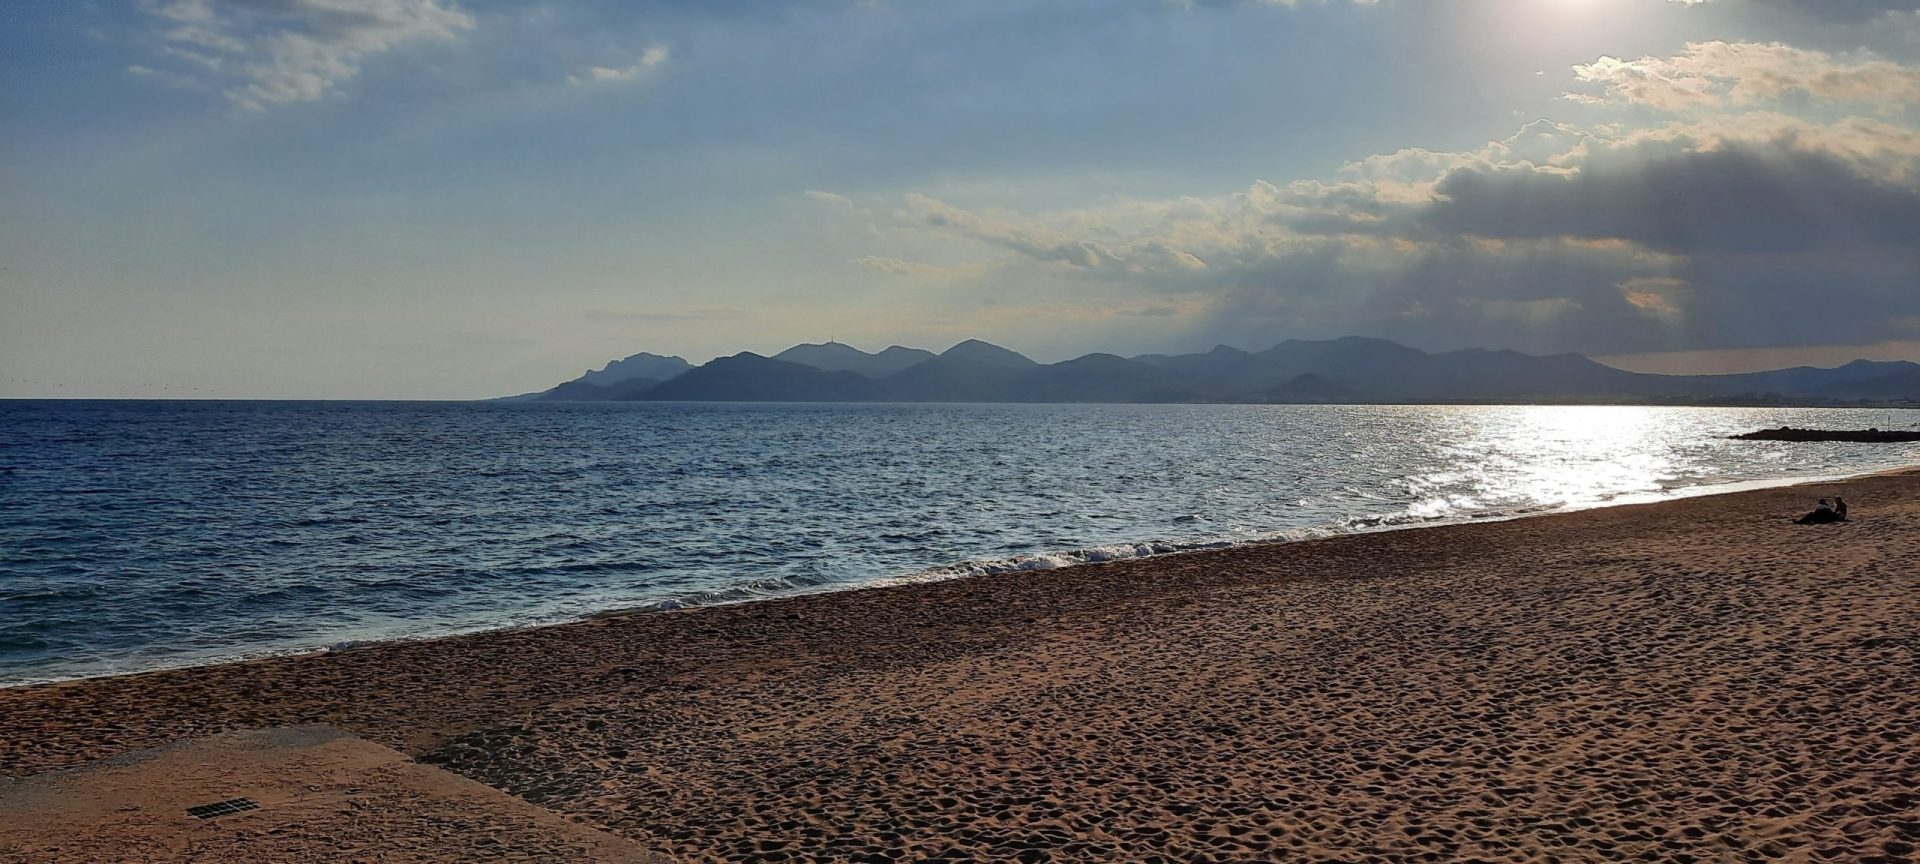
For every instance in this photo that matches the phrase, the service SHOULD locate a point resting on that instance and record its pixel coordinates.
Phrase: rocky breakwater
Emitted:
(1861, 436)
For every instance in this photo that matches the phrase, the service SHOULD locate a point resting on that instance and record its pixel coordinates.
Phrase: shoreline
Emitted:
(519, 400)
(924, 576)
(1692, 677)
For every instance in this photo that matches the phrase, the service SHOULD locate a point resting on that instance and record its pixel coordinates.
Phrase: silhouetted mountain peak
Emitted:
(1310, 387)
(619, 379)
(987, 354)
(815, 353)
(750, 377)
(1095, 360)
(641, 365)
(1344, 346)
(1339, 370)
(1881, 366)
(840, 357)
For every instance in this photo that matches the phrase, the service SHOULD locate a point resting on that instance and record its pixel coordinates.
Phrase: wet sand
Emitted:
(1687, 681)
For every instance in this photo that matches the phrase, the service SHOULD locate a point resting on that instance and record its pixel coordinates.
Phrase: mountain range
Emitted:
(1352, 370)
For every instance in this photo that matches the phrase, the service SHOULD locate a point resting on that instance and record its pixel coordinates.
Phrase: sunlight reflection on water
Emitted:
(135, 535)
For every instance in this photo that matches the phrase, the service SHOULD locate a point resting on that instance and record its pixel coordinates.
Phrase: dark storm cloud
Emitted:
(1740, 198)
(1841, 297)
(1535, 295)
(1687, 238)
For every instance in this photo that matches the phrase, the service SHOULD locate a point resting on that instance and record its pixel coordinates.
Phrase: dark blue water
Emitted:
(135, 535)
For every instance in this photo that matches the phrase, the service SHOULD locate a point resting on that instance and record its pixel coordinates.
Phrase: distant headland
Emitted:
(1352, 370)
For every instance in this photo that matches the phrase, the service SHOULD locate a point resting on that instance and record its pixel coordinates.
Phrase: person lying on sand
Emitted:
(1822, 515)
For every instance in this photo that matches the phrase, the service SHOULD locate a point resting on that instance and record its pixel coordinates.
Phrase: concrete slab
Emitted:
(323, 796)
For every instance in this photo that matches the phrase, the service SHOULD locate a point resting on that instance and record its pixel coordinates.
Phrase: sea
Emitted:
(142, 535)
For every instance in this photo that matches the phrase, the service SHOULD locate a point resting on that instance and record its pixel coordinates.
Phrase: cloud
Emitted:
(1711, 74)
(903, 268)
(887, 266)
(1529, 311)
(1733, 230)
(1842, 9)
(895, 266)
(1751, 197)
(1655, 295)
(267, 52)
(1266, 277)
(163, 78)
(1037, 243)
(645, 65)
(1540, 142)
(829, 199)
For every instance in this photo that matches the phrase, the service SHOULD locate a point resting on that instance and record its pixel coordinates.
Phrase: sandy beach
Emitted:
(1695, 680)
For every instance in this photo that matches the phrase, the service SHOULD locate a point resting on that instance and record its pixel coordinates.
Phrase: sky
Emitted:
(466, 198)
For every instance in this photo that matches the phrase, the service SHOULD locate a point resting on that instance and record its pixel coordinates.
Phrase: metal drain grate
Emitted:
(223, 808)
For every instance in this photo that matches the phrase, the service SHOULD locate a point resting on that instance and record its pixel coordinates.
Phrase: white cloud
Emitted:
(163, 78)
(1658, 296)
(1713, 74)
(1034, 242)
(648, 61)
(268, 52)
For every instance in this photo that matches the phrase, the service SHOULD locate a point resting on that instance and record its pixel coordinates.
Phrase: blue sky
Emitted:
(442, 199)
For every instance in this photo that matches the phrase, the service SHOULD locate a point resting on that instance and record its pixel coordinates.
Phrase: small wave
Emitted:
(280, 594)
(1040, 561)
(52, 595)
(571, 570)
(22, 642)
(787, 586)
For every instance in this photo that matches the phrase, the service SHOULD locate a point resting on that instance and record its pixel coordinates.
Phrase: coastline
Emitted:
(1689, 677)
(1026, 563)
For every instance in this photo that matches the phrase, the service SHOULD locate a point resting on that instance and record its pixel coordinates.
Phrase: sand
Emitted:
(1687, 681)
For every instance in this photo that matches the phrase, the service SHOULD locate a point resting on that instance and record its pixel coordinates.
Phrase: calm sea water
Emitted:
(135, 535)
